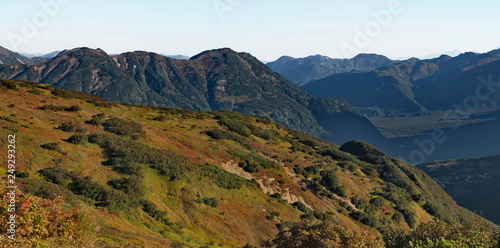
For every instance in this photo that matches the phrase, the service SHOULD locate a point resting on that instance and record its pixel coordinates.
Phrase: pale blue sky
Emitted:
(266, 29)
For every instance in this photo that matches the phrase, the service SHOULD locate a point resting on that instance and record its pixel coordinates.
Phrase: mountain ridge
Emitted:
(301, 71)
(219, 79)
(424, 83)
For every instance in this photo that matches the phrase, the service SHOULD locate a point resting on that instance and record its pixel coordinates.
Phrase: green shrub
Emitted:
(74, 108)
(78, 139)
(252, 161)
(262, 133)
(222, 178)
(273, 215)
(58, 175)
(332, 182)
(74, 94)
(67, 127)
(132, 186)
(161, 118)
(378, 202)
(131, 169)
(439, 234)
(364, 151)
(122, 152)
(211, 202)
(154, 212)
(11, 128)
(44, 189)
(54, 146)
(35, 91)
(222, 134)
(8, 84)
(324, 234)
(97, 119)
(87, 187)
(7, 118)
(301, 206)
(123, 127)
(237, 126)
(52, 108)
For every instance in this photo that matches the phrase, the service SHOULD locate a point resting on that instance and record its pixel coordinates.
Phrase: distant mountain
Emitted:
(213, 80)
(304, 70)
(474, 183)
(416, 86)
(176, 56)
(50, 55)
(452, 53)
(9, 57)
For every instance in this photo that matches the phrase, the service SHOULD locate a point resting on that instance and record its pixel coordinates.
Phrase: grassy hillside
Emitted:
(100, 174)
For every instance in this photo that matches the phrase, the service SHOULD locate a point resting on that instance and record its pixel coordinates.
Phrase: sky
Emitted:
(266, 29)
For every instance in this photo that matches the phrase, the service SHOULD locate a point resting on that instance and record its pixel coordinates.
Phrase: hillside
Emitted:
(136, 176)
(219, 79)
(474, 183)
(417, 86)
(301, 71)
(9, 57)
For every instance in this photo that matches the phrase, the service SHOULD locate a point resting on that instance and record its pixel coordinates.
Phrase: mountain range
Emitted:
(219, 79)
(414, 86)
(301, 71)
(93, 173)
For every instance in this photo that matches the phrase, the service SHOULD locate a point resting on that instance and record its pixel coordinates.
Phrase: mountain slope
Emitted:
(417, 86)
(213, 80)
(301, 71)
(473, 183)
(158, 177)
(9, 57)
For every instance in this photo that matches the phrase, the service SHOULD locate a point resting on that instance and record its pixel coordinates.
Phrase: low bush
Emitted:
(154, 212)
(53, 107)
(74, 94)
(222, 178)
(9, 119)
(123, 127)
(8, 84)
(122, 152)
(54, 146)
(322, 234)
(132, 186)
(78, 139)
(211, 202)
(74, 108)
(35, 91)
(97, 119)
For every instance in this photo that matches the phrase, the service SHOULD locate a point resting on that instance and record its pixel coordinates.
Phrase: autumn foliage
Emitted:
(42, 222)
